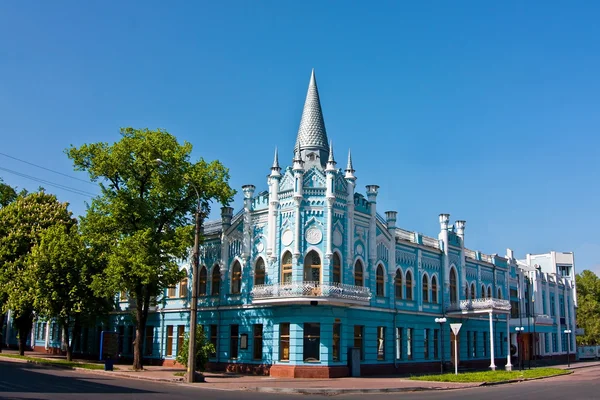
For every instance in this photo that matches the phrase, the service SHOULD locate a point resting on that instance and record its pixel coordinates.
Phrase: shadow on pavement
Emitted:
(29, 378)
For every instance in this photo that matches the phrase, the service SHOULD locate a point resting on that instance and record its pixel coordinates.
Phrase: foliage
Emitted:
(54, 362)
(588, 307)
(203, 349)
(140, 224)
(493, 376)
(22, 223)
(7, 194)
(64, 268)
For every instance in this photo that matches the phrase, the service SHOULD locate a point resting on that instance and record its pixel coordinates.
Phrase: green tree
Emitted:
(203, 349)
(64, 268)
(141, 220)
(588, 307)
(7, 194)
(22, 223)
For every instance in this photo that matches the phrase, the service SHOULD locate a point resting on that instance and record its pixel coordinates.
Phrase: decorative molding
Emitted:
(405, 258)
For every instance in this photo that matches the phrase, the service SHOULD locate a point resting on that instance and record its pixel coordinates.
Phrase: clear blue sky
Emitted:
(488, 111)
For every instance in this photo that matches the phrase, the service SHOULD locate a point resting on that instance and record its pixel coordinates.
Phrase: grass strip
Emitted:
(58, 363)
(492, 376)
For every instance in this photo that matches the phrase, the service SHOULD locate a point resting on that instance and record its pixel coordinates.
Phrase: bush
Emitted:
(203, 350)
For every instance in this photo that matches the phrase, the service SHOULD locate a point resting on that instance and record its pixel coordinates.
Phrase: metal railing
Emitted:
(480, 304)
(311, 289)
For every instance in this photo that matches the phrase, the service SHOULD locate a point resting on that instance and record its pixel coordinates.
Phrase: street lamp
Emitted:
(568, 333)
(441, 321)
(191, 367)
(519, 330)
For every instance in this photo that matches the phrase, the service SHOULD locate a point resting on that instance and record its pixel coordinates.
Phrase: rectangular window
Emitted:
(171, 292)
(214, 338)
(469, 346)
(554, 343)
(169, 340)
(284, 341)
(426, 343)
(409, 343)
(544, 308)
(337, 335)
(546, 343)
(381, 342)
(475, 344)
(128, 348)
(44, 330)
(149, 340)
(180, 336)
(552, 307)
(358, 339)
(312, 342)
(399, 343)
(234, 339)
(485, 344)
(436, 343)
(257, 344)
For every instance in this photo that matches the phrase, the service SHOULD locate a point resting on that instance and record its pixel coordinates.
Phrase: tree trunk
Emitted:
(2, 317)
(142, 304)
(66, 338)
(23, 324)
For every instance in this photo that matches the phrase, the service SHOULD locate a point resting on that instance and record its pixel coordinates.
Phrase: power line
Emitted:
(46, 182)
(47, 169)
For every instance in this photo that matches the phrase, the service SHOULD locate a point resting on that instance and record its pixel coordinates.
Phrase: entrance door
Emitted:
(526, 338)
(452, 339)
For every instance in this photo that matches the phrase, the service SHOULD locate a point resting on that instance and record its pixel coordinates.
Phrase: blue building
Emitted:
(310, 271)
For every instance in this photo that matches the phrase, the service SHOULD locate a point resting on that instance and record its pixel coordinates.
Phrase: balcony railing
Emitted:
(480, 305)
(311, 289)
(544, 319)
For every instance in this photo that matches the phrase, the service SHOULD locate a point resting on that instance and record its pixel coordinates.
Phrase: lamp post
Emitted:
(520, 329)
(568, 333)
(441, 321)
(191, 367)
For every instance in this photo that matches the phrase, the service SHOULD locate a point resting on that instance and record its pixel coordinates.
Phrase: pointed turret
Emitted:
(312, 136)
(297, 163)
(331, 161)
(275, 168)
(349, 168)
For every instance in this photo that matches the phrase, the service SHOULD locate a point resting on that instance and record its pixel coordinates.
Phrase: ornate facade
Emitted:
(310, 269)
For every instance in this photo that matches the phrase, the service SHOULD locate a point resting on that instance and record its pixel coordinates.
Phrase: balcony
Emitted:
(474, 306)
(305, 292)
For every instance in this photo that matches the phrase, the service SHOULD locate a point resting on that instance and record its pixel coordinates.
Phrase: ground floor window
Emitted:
(546, 343)
(501, 343)
(358, 339)
(257, 344)
(436, 343)
(284, 341)
(149, 340)
(381, 342)
(469, 347)
(312, 342)
(485, 344)
(474, 344)
(169, 351)
(214, 338)
(554, 343)
(180, 336)
(399, 342)
(426, 343)
(337, 335)
(409, 343)
(233, 341)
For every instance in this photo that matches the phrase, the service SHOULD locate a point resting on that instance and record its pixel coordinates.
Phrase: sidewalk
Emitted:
(233, 382)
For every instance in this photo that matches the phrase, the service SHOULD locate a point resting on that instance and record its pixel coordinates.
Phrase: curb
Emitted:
(523, 380)
(333, 392)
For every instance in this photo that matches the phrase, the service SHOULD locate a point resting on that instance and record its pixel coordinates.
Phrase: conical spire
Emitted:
(349, 168)
(312, 133)
(275, 168)
(331, 161)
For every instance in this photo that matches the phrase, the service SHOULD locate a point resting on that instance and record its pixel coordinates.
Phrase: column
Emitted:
(492, 364)
(508, 363)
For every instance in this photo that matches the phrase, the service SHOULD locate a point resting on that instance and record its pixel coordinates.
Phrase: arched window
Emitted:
(236, 278)
(453, 292)
(259, 272)
(286, 267)
(499, 293)
(337, 268)
(489, 292)
(358, 273)
(216, 281)
(425, 289)
(467, 292)
(379, 284)
(483, 291)
(183, 287)
(398, 284)
(202, 281)
(312, 267)
(409, 285)
(473, 292)
(434, 288)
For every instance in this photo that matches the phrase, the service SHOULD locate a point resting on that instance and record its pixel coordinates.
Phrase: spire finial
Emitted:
(311, 133)
(331, 159)
(349, 168)
(276, 160)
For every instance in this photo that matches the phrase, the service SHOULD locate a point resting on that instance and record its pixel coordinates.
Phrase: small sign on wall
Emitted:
(244, 341)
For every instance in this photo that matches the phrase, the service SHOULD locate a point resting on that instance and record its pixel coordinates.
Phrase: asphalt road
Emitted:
(26, 381)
